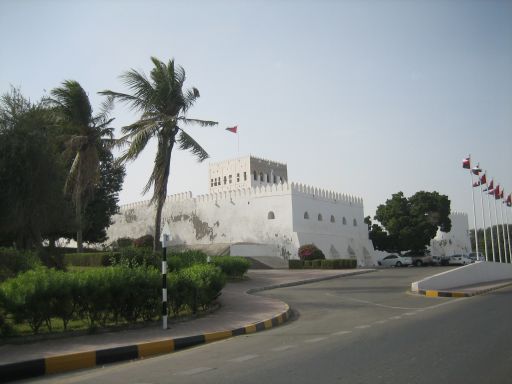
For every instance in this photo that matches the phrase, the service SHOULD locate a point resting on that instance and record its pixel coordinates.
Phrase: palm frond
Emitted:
(202, 123)
(73, 102)
(139, 142)
(186, 142)
(134, 102)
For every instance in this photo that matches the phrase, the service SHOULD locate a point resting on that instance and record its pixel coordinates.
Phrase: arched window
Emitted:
(261, 176)
(355, 223)
(271, 215)
(306, 215)
(344, 221)
(255, 176)
(320, 218)
(333, 219)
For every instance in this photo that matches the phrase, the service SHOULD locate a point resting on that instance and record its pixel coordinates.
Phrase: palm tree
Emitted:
(87, 136)
(162, 103)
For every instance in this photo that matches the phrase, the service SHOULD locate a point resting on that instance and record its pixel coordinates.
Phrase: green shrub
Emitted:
(123, 242)
(337, 263)
(349, 263)
(327, 264)
(295, 264)
(13, 262)
(89, 259)
(310, 252)
(134, 257)
(232, 266)
(145, 241)
(307, 264)
(317, 263)
(180, 260)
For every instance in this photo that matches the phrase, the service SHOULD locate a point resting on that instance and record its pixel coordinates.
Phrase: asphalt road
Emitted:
(359, 329)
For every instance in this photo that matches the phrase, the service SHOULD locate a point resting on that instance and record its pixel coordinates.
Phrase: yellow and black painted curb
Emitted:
(433, 293)
(90, 359)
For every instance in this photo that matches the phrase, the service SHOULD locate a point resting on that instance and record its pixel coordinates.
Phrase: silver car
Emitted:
(395, 261)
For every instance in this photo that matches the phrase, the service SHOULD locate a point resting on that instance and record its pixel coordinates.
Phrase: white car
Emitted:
(395, 261)
(459, 260)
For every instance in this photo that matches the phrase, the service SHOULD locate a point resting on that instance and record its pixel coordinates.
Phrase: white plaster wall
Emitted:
(481, 272)
(457, 241)
(253, 250)
(241, 216)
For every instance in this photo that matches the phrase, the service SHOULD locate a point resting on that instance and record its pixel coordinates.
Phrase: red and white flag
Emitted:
(232, 129)
(483, 179)
(497, 192)
(509, 200)
(466, 163)
(476, 183)
(490, 187)
(476, 170)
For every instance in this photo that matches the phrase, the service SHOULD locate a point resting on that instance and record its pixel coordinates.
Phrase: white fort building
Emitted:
(253, 210)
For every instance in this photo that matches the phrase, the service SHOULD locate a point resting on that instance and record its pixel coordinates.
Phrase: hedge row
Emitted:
(102, 296)
(323, 264)
(13, 262)
(131, 257)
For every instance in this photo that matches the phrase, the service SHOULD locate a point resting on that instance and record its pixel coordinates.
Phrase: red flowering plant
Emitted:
(310, 252)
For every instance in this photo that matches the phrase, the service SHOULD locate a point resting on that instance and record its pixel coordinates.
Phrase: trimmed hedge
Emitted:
(323, 264)
(295, 264)
(232, 266)
(102, 296)
(89, 259)
(13, 262)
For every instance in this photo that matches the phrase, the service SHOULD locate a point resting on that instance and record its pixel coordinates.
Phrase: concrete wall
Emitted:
(271, 216)
(254, 250)
(457, 241)
(475, 273)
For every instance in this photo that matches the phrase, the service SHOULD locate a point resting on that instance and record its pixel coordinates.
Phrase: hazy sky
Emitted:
(360, 97)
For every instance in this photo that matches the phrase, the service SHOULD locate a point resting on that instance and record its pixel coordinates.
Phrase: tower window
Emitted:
(255, 176)
(355, 223)
(333, 219)
(320, 218)
(306, 215)
(225, 180)
(245, 176)
(271, 215)
(344, 221)
(230, 179)
(237, 177)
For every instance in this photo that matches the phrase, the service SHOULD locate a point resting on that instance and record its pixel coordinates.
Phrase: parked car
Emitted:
(395, 261)
(422, 259)
(476, 256)
(459, 260)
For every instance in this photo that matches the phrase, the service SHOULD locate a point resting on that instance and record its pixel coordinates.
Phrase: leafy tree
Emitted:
(104, 204)
(410, 224)
(32, 203)
(162, 103)
(87, 137)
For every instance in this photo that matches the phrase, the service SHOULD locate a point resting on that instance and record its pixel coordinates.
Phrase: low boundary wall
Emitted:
(476, 273)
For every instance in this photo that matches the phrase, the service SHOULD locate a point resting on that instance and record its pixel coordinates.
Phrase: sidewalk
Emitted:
(239, 313)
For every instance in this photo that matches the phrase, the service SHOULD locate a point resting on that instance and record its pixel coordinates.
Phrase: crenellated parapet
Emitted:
(260, 191)
(324, 194)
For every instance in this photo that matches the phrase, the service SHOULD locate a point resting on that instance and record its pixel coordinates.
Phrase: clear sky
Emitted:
(360, 97)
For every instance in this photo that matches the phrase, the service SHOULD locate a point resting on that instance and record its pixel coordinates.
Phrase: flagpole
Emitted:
(490, 226)
(474, 211)
(238, 143)
(483, 221)
(508, 233)
(497, 228)
(503, 231)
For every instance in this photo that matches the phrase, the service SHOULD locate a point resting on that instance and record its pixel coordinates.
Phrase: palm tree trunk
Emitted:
(79, 234)
(162, 192)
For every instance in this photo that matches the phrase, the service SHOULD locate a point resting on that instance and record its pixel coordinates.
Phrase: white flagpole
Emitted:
(508, 233)
(474, 211)
(497, 228)
(490, 226)
(238, 143)
(503, 231)
(483, 221)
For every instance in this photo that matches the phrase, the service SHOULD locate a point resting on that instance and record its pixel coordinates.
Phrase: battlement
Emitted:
(259, 191)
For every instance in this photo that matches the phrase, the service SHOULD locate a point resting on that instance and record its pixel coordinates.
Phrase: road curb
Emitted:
(90, 359)
(435, 293)
(74, 361)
